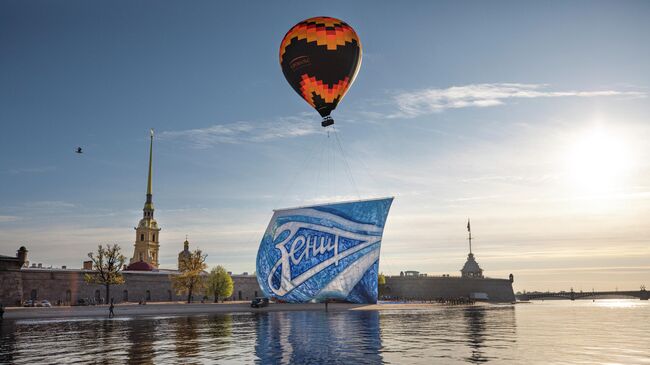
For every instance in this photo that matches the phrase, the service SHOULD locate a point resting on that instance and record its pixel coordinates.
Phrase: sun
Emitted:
(598, 161)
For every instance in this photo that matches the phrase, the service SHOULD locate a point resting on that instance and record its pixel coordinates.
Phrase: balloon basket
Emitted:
(327, 121)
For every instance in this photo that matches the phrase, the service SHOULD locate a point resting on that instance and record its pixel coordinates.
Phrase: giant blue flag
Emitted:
(323, 252)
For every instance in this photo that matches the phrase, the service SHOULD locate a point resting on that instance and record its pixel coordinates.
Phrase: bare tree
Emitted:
(107, 267)
(190, 279)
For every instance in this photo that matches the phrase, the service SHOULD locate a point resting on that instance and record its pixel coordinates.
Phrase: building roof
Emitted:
(140, 266)
(471, 265)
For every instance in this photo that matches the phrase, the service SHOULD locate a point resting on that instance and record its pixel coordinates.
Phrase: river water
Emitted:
(550, 332)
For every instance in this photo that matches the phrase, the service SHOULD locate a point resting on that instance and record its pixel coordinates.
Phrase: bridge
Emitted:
(642, 294)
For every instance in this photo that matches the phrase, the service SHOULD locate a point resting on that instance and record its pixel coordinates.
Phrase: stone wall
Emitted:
(246, 287)
(68, 286)
(11, 287)
(432, 288)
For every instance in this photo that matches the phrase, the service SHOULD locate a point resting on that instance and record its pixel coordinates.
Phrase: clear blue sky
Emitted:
(532, 118)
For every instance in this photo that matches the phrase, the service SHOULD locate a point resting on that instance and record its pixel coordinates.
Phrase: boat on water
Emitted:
(327, 252)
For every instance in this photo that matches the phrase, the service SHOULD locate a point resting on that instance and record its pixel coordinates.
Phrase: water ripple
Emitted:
(546, 332)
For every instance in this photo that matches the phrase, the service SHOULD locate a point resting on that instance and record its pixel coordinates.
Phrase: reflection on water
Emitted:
(140, 338)
(475, 331)
(312, 337)
(548, 332)
(186, 337)
(7, 342)
(489, 328)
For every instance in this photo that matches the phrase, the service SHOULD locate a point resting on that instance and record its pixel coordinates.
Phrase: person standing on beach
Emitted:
(110, 310)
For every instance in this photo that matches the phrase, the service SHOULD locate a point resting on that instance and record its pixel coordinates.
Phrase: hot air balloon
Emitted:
(320, 58)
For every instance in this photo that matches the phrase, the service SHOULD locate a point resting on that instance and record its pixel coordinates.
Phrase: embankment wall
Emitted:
(432, 288)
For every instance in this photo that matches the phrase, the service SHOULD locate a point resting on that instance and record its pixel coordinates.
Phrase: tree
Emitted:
(190, 277)
(107, 266)
(381, 279)
(219, 283)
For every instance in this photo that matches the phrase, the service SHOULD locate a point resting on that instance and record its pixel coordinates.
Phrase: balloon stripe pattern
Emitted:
(320, 58)
(328, 32)
(310, 86)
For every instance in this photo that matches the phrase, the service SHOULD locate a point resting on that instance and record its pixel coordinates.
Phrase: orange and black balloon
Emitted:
(320, 57)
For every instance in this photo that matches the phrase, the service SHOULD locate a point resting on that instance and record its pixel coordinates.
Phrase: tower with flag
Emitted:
(471, 269)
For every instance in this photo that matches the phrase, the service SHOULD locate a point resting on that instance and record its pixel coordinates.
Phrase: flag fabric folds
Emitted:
(323, 252)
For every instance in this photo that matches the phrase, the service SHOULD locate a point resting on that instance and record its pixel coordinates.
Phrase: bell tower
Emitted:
(146, 233)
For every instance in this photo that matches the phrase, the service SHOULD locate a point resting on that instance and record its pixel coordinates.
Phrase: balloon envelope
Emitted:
(320, 58)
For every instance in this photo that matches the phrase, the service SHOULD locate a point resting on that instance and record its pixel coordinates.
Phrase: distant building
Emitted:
(14, 262)
(471, 268)
(470, 284)
(144, 280)
(185, 253)
(147, 238)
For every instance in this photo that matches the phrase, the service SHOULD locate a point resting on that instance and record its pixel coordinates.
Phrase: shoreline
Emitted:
(178, 308)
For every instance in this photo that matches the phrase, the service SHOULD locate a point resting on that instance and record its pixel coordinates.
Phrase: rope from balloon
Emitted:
(327, 121)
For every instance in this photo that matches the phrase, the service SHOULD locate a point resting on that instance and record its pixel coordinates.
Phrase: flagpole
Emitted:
(469, 229)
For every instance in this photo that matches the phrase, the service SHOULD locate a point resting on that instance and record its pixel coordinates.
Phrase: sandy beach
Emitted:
(177, 308)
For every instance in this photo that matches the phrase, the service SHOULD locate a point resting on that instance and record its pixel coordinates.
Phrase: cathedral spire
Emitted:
(148, 205)
(147, 238)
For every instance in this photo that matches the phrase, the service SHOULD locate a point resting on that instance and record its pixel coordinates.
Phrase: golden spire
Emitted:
(148, 206)
(150, 160)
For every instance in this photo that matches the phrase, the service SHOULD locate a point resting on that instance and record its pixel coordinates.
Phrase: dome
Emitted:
(471, 268)
(140, 266)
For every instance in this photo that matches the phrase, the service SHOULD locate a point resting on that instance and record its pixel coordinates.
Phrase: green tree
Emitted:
(220, 284)
(107, 267)
(190, 277)
(381, 279)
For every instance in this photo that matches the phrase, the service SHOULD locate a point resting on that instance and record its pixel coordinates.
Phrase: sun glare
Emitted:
(598, 161)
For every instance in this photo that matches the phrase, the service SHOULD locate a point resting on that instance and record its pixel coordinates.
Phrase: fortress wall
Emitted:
(159, 286)
(11, 287)
(431, 288)
(53, 285)
(247, 285)
(67, 286)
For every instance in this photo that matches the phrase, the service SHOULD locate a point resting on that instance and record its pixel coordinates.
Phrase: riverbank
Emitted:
(177, 308)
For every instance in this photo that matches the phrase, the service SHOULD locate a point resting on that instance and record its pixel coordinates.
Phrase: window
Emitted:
(148, 295)
(169, 294)
(33, 295)
(142, 237)
(239, 295)
(68, 296)
(98, 296)
(154, 237)
(125, 296)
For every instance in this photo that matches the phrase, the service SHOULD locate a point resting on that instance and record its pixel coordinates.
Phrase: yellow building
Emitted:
(145, 252)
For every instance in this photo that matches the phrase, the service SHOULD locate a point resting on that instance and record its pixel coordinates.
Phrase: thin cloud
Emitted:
(8, 218)
(243, 131)
(427, 101)
(30, 170)
(49, 204)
